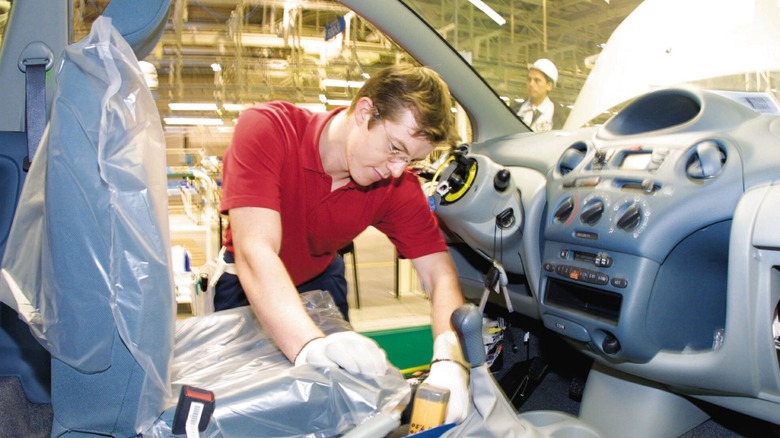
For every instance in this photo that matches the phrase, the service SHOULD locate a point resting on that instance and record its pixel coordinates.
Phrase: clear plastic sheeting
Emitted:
(259, 393)
(87, 256)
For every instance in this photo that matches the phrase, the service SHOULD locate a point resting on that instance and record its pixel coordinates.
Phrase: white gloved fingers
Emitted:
(357, 354)
(454, 376)
(319, 358)
(313, 353)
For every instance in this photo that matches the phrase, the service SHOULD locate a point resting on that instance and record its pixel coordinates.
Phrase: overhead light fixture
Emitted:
(489, 11)
(193, 107)
(193, 121)
(216, 67)
(150, 74)
(341, 83)
(233, 107)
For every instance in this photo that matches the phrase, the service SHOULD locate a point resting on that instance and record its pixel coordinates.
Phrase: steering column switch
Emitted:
(610, 344)
(501, 180)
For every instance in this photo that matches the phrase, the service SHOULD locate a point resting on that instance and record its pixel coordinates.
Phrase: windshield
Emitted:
(731, 46)
(501, 38)
(605, 53)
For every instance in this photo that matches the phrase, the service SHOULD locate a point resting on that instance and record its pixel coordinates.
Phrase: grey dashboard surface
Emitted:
(634, 238)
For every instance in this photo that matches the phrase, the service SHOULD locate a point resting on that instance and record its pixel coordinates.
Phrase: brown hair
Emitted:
(418, 89)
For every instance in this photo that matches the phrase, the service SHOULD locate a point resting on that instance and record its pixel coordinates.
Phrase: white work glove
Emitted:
(355, 353)
(449, 371)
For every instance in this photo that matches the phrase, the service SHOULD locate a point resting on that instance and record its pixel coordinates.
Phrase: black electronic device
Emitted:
(193, 411)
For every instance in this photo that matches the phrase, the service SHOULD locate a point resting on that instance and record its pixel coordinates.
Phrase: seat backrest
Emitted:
(21, 356)
(97, 289)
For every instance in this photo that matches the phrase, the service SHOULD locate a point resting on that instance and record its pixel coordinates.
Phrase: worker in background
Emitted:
(538, 112)
(298, 186)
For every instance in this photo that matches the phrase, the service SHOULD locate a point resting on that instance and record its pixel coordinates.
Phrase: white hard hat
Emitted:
(547, 67)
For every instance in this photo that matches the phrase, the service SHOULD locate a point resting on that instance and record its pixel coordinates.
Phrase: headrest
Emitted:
(141, 22)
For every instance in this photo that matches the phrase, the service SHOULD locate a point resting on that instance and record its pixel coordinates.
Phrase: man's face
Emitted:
(538, 87)
(369, 150)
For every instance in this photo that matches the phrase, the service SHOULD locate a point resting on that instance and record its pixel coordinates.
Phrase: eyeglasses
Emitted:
(396, 155)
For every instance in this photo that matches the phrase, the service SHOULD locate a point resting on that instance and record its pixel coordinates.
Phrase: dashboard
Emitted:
(636, 240)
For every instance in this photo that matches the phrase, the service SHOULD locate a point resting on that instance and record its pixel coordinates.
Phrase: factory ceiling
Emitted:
(233, 53)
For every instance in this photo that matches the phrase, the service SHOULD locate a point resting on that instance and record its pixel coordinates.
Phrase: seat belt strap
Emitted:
(35, 106)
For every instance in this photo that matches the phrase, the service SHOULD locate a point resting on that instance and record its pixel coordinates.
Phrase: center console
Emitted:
(637, 234)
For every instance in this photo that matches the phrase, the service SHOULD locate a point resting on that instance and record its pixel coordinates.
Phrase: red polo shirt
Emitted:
(273, 162)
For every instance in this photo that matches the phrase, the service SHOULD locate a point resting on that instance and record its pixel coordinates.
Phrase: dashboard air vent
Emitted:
(706, 160)
(572, 157)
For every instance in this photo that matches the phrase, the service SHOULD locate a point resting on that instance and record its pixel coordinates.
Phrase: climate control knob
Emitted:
(592, 212)
(630, 217)
(564, 210)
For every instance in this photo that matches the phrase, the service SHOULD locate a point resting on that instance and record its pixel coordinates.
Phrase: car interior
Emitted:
(646, 244)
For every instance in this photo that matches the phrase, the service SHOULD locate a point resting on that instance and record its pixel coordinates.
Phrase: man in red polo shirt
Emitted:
(298, 186)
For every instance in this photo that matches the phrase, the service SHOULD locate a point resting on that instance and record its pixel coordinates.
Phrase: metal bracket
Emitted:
(36, 53)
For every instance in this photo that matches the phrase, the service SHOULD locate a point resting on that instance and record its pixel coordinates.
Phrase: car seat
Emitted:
(99, 380)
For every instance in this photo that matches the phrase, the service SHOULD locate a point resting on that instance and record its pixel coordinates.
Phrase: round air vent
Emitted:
(572, 157)
(706, 160)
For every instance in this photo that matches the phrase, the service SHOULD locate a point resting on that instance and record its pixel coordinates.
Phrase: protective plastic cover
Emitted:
(259, 393)
(87, 256)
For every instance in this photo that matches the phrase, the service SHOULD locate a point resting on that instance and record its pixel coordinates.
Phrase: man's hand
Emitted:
(349, 350)
(448, 370)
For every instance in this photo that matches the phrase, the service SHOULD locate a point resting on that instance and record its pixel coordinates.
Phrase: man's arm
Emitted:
(438, 275)
(257, 236)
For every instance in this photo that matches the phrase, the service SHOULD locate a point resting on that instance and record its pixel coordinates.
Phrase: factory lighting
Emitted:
(193, 121)
(193, 107)
(489, 11)
(341, 83)
(233, 107)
